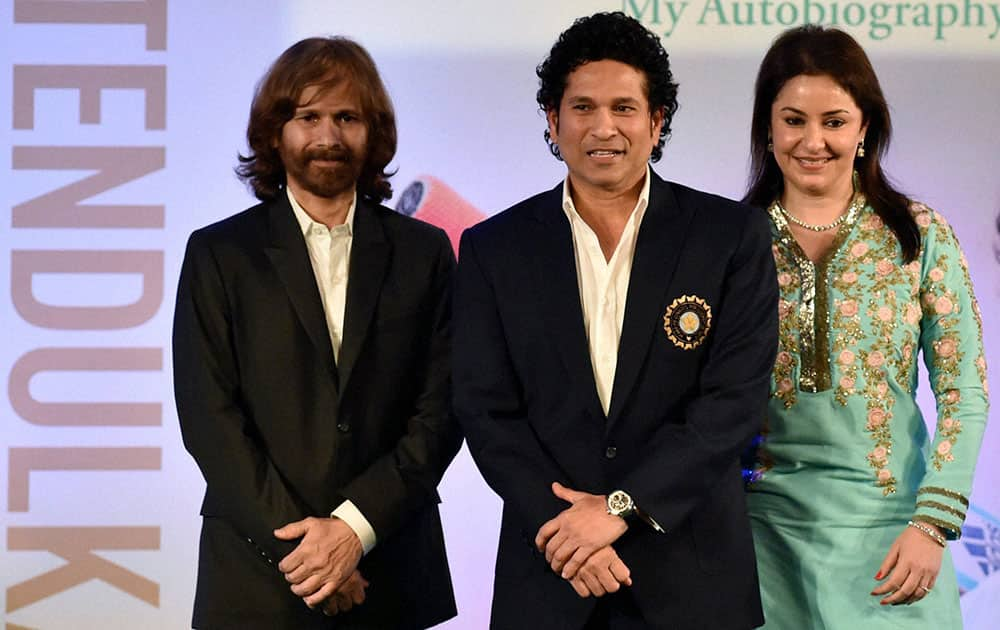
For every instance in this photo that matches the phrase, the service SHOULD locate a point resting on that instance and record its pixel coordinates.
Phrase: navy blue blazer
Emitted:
(683, 406)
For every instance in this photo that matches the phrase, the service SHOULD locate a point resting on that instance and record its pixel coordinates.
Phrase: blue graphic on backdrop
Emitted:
(981, 542)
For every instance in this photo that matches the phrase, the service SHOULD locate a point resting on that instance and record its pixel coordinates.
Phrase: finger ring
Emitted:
(925, 588)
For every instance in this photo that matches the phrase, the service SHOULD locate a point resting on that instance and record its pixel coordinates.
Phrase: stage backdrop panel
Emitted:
(121, 126)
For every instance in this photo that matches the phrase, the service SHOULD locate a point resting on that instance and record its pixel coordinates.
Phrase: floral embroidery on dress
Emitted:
(852, 325)
(786, 362)
(942, 311)
(847, 328)
(880, 403)
(869, 315)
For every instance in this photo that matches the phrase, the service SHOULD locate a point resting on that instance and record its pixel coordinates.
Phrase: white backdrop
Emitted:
(121, 124)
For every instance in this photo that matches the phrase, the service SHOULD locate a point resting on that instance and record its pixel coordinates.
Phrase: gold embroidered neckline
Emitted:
(813, 310)
(846, 222)
(811, 226)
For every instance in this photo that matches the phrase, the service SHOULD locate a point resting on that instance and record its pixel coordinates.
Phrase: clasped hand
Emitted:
(322, 569)
(577, 544)
(350, 594)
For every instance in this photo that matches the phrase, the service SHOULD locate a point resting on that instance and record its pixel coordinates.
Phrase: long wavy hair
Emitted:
(323, 62)
(617, 37)
(817, 51)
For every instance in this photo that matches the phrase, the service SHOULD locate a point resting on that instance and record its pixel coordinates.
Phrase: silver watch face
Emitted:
(619, 503)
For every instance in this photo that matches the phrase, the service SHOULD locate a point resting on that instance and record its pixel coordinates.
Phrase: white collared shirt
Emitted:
(603, 287)
(330, 255)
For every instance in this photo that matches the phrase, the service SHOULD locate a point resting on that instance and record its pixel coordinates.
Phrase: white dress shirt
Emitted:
(330, 255)
(603, 287)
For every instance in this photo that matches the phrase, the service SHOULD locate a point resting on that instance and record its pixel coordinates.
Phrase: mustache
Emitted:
(333, 154)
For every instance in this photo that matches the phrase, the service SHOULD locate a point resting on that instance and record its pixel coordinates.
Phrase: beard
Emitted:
(328, 180)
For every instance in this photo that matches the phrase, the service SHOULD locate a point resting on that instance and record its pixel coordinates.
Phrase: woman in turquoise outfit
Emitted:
(852, 500)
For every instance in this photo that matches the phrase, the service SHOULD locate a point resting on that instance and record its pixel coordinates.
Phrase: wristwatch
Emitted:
(620, 504)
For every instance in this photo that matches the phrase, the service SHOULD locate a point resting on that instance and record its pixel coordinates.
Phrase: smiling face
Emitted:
(604, 128)
(323, 147)
(816, 127)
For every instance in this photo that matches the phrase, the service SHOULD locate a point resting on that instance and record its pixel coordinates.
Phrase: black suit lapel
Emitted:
(290, 257)
(559, 297)
(369, 261)
(659, 244)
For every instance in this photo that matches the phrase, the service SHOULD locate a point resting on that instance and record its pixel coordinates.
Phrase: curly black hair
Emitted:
(617, 37)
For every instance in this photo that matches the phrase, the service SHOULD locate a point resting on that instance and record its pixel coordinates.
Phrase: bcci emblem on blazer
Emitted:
(687, 321)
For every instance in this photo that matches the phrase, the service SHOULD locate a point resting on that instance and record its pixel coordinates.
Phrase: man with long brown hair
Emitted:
(311, 354)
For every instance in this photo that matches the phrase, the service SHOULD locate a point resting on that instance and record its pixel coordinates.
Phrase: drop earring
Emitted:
(770, 145)
(861, 148)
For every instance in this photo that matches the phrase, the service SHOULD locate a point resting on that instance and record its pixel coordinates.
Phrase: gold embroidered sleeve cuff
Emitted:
(943, 508)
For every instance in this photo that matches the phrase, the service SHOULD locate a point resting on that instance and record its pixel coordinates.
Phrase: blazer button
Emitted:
(611, 452)
(343, 427)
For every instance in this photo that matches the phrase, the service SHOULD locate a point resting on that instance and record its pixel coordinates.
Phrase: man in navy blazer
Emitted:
(311, 369)
(613, 341)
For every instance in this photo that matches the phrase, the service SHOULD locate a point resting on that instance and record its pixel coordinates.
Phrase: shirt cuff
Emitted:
(350, 514)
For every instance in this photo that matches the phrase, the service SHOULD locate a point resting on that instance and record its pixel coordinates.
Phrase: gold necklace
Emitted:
(856, 203)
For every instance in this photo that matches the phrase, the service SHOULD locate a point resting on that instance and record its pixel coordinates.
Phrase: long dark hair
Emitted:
(815, 51)
(320, 61)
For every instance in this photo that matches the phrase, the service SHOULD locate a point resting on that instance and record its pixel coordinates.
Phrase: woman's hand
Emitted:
(910, 568)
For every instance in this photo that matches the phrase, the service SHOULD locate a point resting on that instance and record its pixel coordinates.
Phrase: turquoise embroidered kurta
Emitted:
(846, 458)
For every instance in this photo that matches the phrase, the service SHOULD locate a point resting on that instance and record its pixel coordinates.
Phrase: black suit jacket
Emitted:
(524, 392)
(281, 432)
